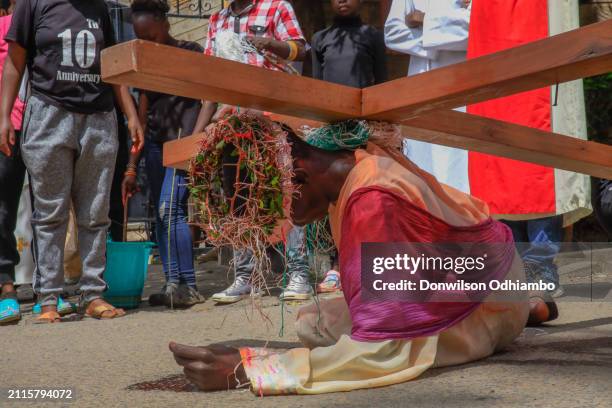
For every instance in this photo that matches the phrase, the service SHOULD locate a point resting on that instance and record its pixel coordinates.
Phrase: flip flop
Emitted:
(98, 312)
(9, 311)
(542, 309)
(48, 318)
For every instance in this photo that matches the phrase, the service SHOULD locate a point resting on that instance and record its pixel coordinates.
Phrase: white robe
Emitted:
(440, 42)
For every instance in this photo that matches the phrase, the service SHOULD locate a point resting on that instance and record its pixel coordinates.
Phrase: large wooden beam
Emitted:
(174, 71)
(503, 139)
(178, 153)
(575, 54)
(462, 130)
(479, 134)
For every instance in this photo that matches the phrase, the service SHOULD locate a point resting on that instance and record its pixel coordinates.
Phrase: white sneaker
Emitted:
(240, 289)
(298, 289)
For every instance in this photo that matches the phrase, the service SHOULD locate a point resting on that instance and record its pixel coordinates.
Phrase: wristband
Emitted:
(293, 50)
(130, 173)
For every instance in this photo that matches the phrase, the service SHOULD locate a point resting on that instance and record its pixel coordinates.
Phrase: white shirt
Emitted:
(441, 41)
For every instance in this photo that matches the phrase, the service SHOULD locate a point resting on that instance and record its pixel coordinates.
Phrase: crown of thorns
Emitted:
(241, 180)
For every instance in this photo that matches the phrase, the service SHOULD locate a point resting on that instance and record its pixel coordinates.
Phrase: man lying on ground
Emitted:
(372, 195)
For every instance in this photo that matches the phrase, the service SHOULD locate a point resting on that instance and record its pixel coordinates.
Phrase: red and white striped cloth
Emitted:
(276, 18)
(514, 189)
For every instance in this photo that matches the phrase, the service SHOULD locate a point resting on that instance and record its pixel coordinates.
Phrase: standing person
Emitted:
(272, 28)
(69, 140)
(536, 201)
(166, 117)
(349, 52)
(12, 172)
(434, 34)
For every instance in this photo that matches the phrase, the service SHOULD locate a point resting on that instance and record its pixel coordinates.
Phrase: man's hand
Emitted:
(415, 19)
(129, 187)
(7, 136)
(212, 368)
(136, 133)
(261, 43)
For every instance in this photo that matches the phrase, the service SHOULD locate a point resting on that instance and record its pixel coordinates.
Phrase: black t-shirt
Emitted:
(169, 114)
(349, 53)
(63, 39)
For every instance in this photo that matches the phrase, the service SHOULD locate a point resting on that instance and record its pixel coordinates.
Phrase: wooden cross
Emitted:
(422, 104)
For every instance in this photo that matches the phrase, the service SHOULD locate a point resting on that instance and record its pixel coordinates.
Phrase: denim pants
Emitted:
(538, 242)
(170, 196)
(12, 172)
(297, 257)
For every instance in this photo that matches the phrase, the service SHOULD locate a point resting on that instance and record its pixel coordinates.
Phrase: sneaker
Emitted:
(158, 299)
(298, 289)
(331, 283)
(9, 311)
(240, 289)
(210, 256)
(558, 292)
(171, 295)
(186, 296)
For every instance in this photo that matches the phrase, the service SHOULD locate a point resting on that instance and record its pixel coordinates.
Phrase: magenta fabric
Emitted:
(17, 113)
(375, 214)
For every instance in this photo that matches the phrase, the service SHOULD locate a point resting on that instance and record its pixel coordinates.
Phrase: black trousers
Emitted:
(116, 204)
(12, 172)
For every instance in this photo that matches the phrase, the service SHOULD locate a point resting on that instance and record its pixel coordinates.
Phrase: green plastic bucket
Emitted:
(126, 272)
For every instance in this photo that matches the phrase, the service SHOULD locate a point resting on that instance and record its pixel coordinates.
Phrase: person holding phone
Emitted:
(272, 29)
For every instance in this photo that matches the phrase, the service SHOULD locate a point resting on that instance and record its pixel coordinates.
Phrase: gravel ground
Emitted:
(565, 364)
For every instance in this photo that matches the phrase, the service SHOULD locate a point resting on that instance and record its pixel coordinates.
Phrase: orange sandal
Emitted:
(48, 318)
(103, 311)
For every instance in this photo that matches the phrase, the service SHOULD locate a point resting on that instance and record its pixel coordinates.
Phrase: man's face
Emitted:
(309, 204)
(346, 8)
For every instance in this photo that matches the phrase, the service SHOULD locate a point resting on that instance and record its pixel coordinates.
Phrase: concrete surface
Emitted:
(566, 364)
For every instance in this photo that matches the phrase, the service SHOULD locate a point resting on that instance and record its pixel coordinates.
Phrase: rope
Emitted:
(347, 135)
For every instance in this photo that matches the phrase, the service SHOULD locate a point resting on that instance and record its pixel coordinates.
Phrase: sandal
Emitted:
(331, 283)
(48, 318)
(9, 311)
(542, 309)
(63, 308)
(103, 311)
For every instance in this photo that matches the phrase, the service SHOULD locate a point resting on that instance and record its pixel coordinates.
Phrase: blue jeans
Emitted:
(170, 195)
(538, 242)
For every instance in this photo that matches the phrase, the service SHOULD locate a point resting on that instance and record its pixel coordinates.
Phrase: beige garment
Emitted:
(72, 259)
(333, 362)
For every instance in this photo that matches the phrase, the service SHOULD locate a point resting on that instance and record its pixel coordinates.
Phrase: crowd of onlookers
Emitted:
(70, 131)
